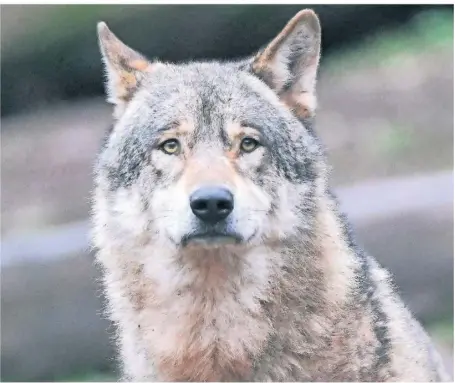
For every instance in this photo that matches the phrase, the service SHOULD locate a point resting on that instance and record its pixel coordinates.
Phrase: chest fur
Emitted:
(208, 328)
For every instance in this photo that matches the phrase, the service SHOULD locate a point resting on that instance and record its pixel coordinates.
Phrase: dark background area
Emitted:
(59, 60)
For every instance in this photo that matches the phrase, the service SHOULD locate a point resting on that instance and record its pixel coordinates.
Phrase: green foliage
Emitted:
(442, 330)
(393, 140)
(427, 31)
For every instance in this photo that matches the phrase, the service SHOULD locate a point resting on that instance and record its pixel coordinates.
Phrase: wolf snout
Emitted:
(212, 204)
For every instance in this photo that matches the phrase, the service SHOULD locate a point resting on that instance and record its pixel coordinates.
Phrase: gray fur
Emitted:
(297, 299)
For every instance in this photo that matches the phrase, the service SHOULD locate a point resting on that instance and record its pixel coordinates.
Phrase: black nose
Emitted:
(212, 204)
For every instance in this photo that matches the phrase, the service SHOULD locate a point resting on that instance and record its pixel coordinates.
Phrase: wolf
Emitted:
(225, 256)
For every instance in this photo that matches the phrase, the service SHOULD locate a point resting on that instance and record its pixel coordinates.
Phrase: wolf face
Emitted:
(224, 257)
(212, 154)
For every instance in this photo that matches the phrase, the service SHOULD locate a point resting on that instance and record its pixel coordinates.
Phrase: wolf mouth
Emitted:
(211, 239)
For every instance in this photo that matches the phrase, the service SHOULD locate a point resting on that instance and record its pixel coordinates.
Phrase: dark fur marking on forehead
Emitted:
(207, 121)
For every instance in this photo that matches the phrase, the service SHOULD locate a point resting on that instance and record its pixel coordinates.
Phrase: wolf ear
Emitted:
(124, 68)
(289, 63)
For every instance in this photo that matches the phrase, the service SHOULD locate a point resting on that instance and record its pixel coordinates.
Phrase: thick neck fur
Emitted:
(208, 315)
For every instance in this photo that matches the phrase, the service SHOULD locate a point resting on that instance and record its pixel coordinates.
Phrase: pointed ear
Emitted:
(125, 68)
(289, 63)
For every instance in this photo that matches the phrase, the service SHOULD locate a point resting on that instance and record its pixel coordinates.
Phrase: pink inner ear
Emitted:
(302, 104)
(140, 65)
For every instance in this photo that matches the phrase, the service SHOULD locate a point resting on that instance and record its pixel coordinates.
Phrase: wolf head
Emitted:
(211, 154)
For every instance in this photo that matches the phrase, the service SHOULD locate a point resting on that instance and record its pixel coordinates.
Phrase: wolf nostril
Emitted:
(224, 205)
(212, 204)
(199, 205)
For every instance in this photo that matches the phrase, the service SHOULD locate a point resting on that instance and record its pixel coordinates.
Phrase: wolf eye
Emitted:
(248, 144)
(171, 146)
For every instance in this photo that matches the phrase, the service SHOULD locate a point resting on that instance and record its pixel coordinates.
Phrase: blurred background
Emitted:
(385, 116)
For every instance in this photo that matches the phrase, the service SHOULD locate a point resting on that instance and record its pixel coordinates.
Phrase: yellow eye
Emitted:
(171, 146)
(248, 144)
